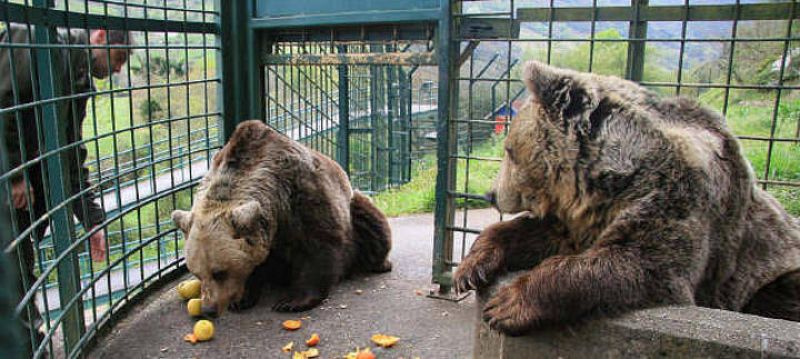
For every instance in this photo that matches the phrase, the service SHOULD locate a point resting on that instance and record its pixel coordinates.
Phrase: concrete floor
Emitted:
(392, 303)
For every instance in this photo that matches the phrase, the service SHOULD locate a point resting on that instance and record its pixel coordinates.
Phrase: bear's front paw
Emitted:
(477, 271)
(510, 312)
(247, 302)
(297, 304)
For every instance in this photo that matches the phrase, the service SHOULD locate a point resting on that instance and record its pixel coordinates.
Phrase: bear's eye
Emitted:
(219, 275)
(510, 154)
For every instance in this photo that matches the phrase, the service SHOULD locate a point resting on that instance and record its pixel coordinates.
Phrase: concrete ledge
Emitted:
(683, 332)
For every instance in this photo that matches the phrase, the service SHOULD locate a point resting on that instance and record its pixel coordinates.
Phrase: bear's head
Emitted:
(225, 242)
(554, 144)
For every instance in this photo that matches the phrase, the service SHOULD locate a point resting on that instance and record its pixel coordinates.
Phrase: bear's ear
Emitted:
(245, 144)
(182, 219)
(246, 217)
(558, 91)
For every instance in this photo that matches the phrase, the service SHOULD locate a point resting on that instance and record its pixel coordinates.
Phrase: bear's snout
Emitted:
(491, 197)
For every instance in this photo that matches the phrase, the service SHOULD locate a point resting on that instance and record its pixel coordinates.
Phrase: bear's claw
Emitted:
(476, 271)
(509, 312)
(296, 304)
(245, 303)
(386, 266)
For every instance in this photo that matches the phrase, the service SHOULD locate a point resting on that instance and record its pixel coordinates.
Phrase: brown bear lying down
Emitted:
(632, 201)
(273, 210)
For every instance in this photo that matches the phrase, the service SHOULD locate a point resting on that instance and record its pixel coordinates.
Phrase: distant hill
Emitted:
(695, 53)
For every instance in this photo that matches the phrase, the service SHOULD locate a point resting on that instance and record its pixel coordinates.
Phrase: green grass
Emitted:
(122, 112)
(419, 195)
(789, 197)
(749, 114)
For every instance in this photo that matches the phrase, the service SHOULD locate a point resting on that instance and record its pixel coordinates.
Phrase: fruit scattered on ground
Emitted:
(288, 347)
(292, 324)
(361, 354)
(191, 338)
(189, 289)
(384, 340)
(310, 353)
(314, 340)
(194, 307)
(203, 330)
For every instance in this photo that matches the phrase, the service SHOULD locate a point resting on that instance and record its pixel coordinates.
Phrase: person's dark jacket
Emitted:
(16, 89)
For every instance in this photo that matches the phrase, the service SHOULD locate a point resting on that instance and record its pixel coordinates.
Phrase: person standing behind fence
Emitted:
(77, 66)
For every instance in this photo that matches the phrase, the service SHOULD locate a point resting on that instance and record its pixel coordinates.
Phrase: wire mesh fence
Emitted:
(110, 115)
(377, 120)
(110, 118)
(739, 58)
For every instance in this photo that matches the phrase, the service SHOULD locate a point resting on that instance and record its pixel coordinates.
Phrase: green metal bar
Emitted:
(388, 59)
(368, 17)
(373, 121)
(634, 69)
(255, 41)
(58, 178)
(242, 98)
(404, 112)
(343, 140)
(776, 106)
(446, 145)
(390, 107)
(10, 336)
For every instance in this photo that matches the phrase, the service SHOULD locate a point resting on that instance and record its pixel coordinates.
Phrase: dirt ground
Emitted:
(392, 303)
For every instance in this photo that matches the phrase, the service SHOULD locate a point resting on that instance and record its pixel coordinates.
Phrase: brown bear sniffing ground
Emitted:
(271, 210)
(628, 201)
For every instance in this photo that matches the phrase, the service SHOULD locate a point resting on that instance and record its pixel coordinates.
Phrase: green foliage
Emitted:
(419, 195)
(158, 66)
(609, 58)
(150, 108)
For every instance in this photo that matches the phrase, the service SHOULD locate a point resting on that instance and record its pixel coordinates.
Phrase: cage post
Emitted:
(343, 153)
(634, 68)
(58, 179)
(10, 337)
(390, 116)
(242, 76)
(405, 120)
(448, 53)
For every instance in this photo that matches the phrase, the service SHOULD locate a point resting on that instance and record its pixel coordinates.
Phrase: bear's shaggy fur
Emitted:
(273, 210)
(628, 201)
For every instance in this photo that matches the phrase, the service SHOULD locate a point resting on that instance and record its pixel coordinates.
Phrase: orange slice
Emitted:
(292, 324)
(314, 340)
(385, 341)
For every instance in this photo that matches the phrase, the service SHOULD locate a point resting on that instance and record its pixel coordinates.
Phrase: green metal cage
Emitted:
(134, 143)
(382, 87)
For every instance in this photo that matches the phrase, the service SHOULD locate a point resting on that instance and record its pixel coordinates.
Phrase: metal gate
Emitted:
(367, 116)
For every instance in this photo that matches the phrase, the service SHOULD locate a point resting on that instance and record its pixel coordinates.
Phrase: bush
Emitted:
(149, 109)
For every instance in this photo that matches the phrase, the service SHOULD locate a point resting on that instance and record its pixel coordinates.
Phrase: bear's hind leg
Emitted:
(779, 299)
(372, 236)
